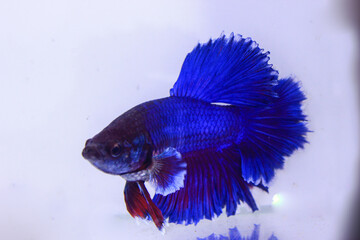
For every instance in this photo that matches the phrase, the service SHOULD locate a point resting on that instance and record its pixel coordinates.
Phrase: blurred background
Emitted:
(68, 68)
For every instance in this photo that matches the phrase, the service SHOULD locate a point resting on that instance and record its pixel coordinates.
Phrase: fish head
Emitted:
(117, 155)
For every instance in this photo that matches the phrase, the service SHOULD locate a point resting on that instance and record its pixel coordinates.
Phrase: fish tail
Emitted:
(273, 132)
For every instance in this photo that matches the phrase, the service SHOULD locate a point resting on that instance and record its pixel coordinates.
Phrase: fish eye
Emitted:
(116, 150)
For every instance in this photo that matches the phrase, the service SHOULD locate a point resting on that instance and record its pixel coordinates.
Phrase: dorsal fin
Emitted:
(230, 70)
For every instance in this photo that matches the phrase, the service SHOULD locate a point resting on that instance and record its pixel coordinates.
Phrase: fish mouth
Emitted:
(91, 153)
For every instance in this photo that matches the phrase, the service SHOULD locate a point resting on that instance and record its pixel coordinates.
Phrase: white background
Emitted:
(68, 68)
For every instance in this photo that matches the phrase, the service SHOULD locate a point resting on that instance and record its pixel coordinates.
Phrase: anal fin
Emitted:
(213, 181)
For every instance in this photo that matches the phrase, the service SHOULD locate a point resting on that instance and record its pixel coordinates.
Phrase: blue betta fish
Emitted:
(227, 125)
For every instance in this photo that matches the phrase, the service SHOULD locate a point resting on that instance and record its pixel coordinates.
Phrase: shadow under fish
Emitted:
(234, 234)
(199, 155)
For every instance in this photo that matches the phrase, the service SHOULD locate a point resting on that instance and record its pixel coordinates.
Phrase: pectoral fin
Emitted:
(168, 172)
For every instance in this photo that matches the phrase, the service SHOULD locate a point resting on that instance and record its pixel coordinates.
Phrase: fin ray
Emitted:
(168, 171)
(213, 181)
(273, 133)
(230, 70)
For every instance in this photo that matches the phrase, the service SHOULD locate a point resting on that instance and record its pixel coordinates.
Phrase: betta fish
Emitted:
(227, 125)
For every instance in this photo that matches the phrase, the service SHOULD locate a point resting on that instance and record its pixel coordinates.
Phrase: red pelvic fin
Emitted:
(139, 203)
(153, 210)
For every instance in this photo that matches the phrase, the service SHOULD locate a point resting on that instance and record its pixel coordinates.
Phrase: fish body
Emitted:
(182, 123)
(189, 125)
(227, 126)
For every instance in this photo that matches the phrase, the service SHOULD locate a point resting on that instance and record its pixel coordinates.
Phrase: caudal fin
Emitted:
(273, 133)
